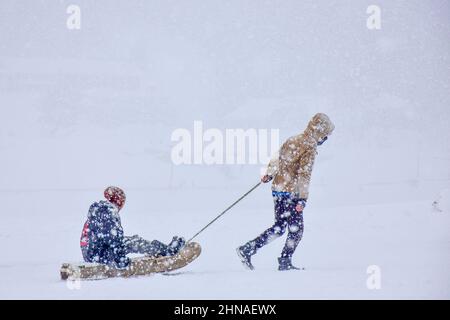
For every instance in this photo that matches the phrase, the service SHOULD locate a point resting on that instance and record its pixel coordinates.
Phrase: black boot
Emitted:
(286, 264)
(245, 254)
(176, 245)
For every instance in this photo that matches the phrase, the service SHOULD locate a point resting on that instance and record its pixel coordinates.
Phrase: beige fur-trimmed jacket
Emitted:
(291, 168)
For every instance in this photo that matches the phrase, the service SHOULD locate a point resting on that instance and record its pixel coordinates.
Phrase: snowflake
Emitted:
(290, 243)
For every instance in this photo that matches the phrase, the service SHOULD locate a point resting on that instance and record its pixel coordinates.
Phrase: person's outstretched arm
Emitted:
(272, 168)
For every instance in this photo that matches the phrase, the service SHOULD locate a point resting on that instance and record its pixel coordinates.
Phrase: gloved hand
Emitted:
(301, 204)
(266, 178)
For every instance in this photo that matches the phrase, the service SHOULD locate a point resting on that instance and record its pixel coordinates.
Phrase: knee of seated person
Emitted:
(157, 244)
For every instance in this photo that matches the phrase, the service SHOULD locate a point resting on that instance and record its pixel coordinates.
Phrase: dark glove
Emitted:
(302, 202)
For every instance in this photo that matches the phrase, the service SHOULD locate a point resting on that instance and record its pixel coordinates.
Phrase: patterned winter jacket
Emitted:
(291, 168)
(102, 236)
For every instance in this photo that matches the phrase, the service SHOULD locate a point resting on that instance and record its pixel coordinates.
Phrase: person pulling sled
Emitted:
(291, 172)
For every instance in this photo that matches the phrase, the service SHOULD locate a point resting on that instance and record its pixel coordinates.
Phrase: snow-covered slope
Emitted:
(409, 242)
(84, 109)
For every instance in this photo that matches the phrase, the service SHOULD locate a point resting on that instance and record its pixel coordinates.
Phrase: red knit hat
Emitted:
(115, 195)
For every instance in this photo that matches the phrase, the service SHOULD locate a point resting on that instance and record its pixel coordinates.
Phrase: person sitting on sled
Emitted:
(103, 241)
(291, 173)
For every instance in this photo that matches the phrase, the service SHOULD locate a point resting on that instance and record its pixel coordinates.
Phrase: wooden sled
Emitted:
(138, 266)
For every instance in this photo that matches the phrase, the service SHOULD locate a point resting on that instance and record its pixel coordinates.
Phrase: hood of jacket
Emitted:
(319, 127)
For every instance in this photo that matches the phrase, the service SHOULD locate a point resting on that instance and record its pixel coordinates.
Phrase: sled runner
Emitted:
(138, 266)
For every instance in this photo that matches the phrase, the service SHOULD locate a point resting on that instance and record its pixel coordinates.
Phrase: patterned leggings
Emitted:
(136, 244)
(285, 217)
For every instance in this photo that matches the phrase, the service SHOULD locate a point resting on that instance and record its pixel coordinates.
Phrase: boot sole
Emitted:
(243, 260)
(292, 269)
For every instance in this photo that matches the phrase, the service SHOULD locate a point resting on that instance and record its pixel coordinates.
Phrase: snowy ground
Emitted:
(84, 109)
(408, 241)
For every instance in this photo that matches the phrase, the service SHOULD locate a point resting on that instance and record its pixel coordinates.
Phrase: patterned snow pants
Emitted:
(286, 217)
(136, 244)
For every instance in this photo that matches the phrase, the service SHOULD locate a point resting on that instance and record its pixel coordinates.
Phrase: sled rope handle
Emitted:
(224, 211)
